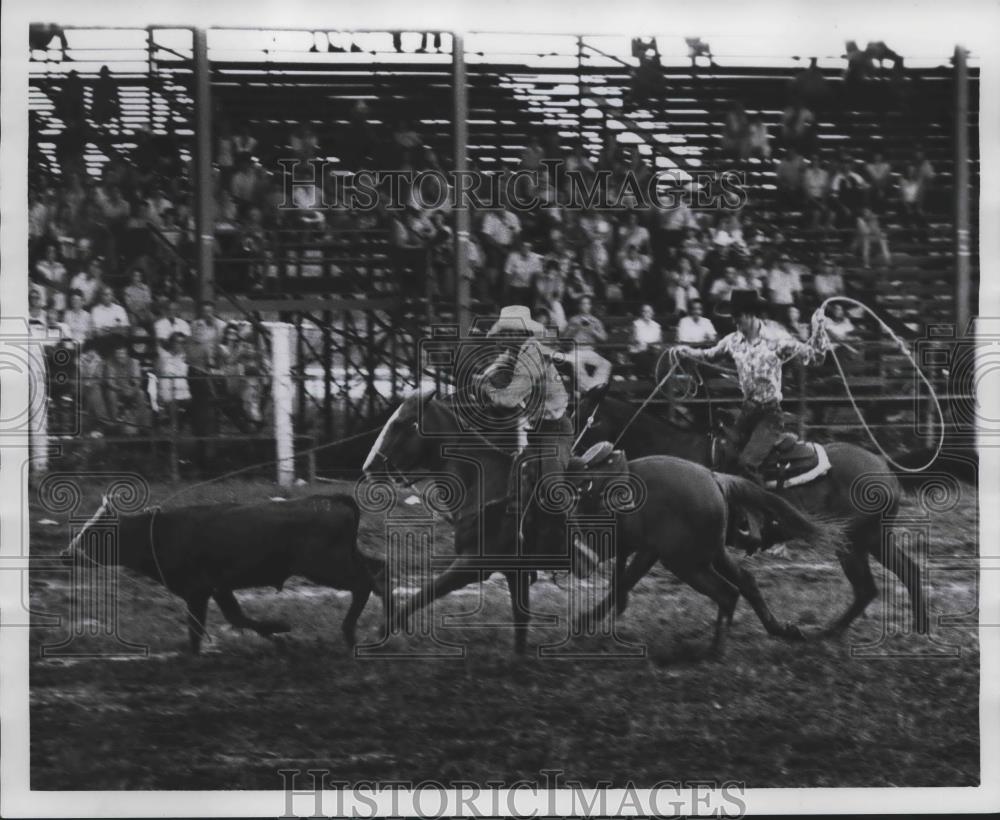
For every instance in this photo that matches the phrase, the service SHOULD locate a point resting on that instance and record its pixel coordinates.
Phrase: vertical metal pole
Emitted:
(962, 284)
(205, 214)
(463, 315)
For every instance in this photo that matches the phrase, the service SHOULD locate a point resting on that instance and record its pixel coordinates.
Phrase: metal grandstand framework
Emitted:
(477, 101)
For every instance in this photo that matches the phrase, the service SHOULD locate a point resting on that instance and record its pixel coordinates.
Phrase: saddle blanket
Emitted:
(800, 470)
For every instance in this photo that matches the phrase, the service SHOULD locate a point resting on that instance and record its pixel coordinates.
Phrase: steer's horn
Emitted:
(76, 539)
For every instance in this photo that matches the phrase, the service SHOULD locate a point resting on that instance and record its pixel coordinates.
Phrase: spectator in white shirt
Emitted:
(520, 270)
(138, 299)
(695, 328)
(731, 280)
(108, 317)
(89, 281)
(172, 377)
(170, 324)
(784, 284)
(828, 282)
(77, 318)
(633, 235)
(647, 336)
(500, 229)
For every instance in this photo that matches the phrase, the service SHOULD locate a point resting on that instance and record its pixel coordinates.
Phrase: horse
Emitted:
(682, 524)
(860, 489)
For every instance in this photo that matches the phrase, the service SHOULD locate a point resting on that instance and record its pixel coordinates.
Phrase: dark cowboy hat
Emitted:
(741, 301)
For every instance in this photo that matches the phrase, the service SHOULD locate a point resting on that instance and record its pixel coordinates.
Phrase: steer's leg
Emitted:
(359, 597)
(234, 614)
(197, 614)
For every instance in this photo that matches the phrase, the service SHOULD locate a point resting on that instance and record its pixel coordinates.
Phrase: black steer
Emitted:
(207, 551)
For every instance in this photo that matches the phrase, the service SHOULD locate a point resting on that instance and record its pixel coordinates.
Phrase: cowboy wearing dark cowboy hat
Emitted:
(524, 378)
(759, 354)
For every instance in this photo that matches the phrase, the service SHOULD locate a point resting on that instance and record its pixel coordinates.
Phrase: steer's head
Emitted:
(399, 447)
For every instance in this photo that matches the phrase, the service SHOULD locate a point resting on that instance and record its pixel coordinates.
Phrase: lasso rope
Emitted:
(820, 311)
(642, 406)
(817, 329)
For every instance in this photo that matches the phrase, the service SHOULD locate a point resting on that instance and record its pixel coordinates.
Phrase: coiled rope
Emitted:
(818, 328)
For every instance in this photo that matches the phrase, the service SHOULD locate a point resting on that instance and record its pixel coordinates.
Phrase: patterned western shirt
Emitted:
(758, 363)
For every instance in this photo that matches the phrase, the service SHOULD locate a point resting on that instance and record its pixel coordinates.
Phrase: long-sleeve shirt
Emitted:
(534, 383)
(758, 363)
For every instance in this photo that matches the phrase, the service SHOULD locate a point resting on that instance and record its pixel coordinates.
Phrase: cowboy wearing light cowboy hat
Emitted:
(524, 377)
(759, 354)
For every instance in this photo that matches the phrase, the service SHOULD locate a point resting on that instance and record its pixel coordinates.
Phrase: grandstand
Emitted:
(352, 99)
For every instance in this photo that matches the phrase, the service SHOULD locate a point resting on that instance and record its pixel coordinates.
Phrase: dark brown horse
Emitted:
(860, 489)
(682, 524)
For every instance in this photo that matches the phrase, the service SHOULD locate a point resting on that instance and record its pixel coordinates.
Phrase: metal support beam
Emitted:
(463, 314)
(963, 287)
(205, 204)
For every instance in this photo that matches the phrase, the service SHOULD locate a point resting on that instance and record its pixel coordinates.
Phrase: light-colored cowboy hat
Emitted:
(516, 318)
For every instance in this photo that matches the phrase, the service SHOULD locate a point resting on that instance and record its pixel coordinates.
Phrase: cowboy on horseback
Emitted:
(759, 353)
(523, 379)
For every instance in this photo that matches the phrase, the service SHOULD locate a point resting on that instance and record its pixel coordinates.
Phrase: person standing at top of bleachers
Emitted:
(810, 89)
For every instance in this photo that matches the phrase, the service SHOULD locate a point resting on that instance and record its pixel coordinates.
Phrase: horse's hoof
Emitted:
(792, 633)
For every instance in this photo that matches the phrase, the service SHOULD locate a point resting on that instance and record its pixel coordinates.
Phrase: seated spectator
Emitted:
(848, 191)
(127, 408)
(406, 137)
(792, 322)
(174, 394)
(756, 273)
(36, 307)
(784, 284)
(170, 324)
(645, 341)
(578, 162)
(866, 231)
(91, 370)
(597, 260)
(696, 328)
(585, 329)
(729, 234)
(114, 207)
(722, 287)
(578, 286)
(829, 281)
(237, 363)
(815, 189)
(244, 184)
(244, 144)
(840, 328)
(596, 227)
(632, 270)
(533, 154)
(50, 273)
(788, 176)
(879, 173)
(89, 282)
(758, 140)
(549, 290)
(681, 290)
(138, 299)
(108, 317)
(633, 235)
(520, 270)
(500, 229)
(77, 319)
(798, 129)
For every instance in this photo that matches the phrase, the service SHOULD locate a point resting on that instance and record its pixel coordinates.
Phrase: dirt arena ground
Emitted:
(872, 709)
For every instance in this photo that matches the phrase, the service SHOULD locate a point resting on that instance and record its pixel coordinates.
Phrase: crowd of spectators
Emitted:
(108, 253)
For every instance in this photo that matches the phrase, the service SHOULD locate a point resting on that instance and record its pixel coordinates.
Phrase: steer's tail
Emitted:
(786, 522)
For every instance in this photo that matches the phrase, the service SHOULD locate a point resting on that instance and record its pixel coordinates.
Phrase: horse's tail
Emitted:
(961, 463)
(789, 522)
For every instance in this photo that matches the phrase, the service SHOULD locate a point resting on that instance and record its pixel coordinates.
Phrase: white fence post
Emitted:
(281, 398)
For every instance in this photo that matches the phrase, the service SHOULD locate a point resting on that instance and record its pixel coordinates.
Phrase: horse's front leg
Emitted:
(462, 572)
(518, 582)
